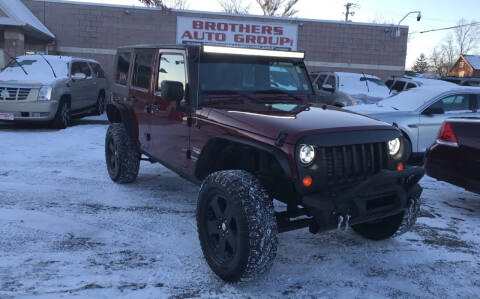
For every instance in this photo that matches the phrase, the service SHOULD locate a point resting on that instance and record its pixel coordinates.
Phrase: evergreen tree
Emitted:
(421, 65)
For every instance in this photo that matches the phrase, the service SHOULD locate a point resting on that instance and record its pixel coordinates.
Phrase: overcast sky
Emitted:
(436, 14)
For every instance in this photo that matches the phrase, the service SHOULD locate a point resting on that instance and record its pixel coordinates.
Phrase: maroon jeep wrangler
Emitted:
(242, 123)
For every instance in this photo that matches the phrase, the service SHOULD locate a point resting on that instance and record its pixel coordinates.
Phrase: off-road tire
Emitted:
(121, 155)
(256, 226)
(391, 226)
(63, 116)
(100, 104)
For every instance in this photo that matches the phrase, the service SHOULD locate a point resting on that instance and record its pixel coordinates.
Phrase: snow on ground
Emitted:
(68, 231)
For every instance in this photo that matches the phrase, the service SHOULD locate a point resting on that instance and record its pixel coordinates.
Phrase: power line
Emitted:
(452, 27)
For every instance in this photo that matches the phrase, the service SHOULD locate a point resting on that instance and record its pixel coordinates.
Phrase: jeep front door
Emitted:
(169, 127)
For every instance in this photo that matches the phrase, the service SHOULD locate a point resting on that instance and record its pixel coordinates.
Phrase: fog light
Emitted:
(307, 181)
(400, 166)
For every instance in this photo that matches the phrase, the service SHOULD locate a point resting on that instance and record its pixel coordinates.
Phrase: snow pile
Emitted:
(67, 230)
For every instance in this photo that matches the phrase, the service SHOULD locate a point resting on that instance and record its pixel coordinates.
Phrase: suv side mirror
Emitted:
(79, 76)
(171, 90)
(328, 87)
(433, 110)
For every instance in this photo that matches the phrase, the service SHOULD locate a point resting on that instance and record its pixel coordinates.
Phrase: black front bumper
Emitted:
(381, 195)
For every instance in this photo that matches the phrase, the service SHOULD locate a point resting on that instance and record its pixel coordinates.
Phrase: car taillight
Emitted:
(447, 136)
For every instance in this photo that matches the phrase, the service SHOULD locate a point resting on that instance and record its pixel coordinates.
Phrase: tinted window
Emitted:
(97, 70)
(142, 70)
(123, 64)
(411, 85)
(171, 68)
(389, 83)
(453, 103)
(398, 86)
(320, 81)
(80, 67)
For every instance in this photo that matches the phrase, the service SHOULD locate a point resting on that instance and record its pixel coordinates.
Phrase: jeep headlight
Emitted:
(45, 93)
(306, 154)
(394, 147)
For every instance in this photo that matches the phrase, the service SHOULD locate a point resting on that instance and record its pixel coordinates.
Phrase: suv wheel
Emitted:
(236, 225)
(391, 226)
(121, 155)
(63, 116)
(100, 105)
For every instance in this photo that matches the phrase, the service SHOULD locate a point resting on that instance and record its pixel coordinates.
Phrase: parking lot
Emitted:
(68, 230)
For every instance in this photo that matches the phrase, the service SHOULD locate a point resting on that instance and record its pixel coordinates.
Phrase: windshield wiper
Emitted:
(53, 71)
(15, 59)
(273, 91)
(228, 91)
(366, 81)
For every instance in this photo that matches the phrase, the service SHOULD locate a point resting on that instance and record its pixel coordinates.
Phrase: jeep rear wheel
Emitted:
(236, 225)
(121, 155)
(391, 226)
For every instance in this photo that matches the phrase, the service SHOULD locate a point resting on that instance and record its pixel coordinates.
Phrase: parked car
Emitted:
(346, 89)
(399, 84)
(455, 155)
(48, 88)
(420, 112)
(465, 81)
(218, 117)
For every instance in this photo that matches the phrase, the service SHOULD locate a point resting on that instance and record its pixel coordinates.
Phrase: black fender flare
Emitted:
(205, 156)
(118, 113)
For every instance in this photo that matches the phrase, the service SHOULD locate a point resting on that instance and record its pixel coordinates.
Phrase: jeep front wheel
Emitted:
(391, 226)
(121, 155)
(236, 225)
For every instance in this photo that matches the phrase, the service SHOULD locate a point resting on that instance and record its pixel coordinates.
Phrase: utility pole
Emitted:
(348, 7)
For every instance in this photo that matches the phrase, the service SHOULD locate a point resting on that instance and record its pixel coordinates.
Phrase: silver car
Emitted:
(419, 113)
(47, 88)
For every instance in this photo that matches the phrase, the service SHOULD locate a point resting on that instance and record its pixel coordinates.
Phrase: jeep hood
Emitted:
(298, 122)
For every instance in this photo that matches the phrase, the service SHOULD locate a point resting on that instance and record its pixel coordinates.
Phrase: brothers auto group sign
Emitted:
(279, 36)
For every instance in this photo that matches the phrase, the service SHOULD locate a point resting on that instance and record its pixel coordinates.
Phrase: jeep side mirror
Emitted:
(79, 76)
(171, 90)
(433, 110)
(328, 87)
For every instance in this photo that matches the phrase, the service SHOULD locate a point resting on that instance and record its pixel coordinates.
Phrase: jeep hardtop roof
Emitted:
(221, 49)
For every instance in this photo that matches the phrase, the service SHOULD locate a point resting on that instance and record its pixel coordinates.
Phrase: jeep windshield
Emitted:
(255, 76)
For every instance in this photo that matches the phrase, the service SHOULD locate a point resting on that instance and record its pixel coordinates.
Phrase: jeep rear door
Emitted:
(140, 93)
(169, 127)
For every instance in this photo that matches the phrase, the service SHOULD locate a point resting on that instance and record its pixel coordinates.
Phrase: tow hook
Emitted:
(343, 223)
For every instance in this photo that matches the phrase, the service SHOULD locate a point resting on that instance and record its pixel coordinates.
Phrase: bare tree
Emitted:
(168, 4)
(466, 36)
(234, 6)
(272, 7)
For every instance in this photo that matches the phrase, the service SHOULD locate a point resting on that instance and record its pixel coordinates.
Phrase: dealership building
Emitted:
(95, 30)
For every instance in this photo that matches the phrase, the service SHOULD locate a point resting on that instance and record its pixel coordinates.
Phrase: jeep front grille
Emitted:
(349, 163)
(13, 93)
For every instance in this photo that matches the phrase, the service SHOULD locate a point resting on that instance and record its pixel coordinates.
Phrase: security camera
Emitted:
(419, 16)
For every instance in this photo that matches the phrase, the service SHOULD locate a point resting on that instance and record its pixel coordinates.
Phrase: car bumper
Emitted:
(29, 111)
(450, 170)
(384, 194)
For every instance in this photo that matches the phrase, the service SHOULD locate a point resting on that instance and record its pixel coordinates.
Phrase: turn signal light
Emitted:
(307, 181)
(400, 166)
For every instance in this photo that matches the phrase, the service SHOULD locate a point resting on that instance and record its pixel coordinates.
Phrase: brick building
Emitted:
(96, 30)
(466, 66)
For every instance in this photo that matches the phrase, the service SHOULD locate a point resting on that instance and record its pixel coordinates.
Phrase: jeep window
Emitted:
(171, 68)
(142, 69)
(251, 75)
(97, 70)
(123, 64)
(331, 80)
(81, 67)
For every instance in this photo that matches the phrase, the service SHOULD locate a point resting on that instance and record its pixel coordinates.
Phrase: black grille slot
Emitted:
(14, 94)
(349, 163)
